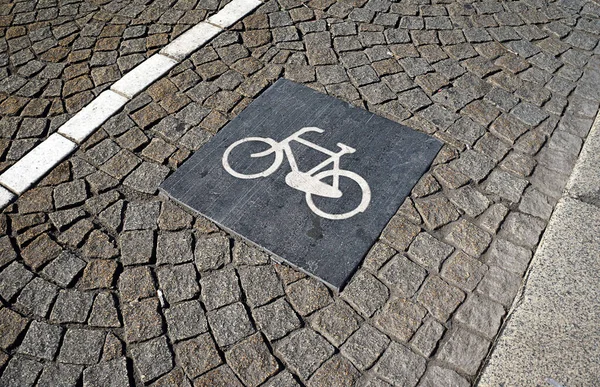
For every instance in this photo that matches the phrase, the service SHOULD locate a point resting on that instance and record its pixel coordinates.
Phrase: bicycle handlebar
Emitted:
(308, 129)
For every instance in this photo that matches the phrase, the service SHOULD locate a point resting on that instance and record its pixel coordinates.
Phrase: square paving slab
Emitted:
(309, 178)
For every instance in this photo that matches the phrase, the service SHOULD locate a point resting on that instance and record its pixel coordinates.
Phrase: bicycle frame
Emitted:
(334, 157)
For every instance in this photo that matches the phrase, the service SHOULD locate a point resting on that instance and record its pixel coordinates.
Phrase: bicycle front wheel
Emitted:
(362, 206)
(271, 148)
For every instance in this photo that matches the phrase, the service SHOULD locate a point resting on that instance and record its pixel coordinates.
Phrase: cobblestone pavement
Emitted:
(104, 282)
(56, 56)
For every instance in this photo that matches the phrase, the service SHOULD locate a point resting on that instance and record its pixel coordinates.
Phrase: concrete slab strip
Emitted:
(233, 12)
(553, 332)
(35, 164)
(5, 197)
(551, 336)
(190, 41)
(584, 183)
(84, 123)
(142, 76)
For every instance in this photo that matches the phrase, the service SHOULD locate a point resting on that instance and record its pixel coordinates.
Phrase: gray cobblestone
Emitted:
(176, 377)
(523, 229)
(276, 319)
(152, 358)
(137, 247)
(481, 315)
(428, 251)
(141, 216)
(142, 320)
(41, 341)
(252, 361)
(71, 306)
(508, 256)
(500, 285)
(337, 372)
(436, 211)
(426, 338)
(194, 365)
(36, 297)
(104, 312)
(437, 376)
(400, 319)
(60, 374)
(469, 238)
(42, 250)
(21, 372)
(136, 283)
(400, 366)
(211, 252)
(335, 322)
(230, 324)
(178, 282)
(222, 377)
(304, 351)
(490, 220)
(399, 233)
(439, 298)
(185, 320)
(365, 293)
(13, 324)
(463, 271)
(174, 248)
(81, 346)
(112, 373)
(402, 275)
(464, 350)
(220, 288)
(260, 284)
(147, 177)
(307, 295)
(365, 346)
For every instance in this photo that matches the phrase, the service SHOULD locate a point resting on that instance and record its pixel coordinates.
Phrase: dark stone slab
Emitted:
(325, 236)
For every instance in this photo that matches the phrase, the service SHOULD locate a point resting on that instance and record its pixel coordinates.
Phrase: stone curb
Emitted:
(550, 336)
(44, 157)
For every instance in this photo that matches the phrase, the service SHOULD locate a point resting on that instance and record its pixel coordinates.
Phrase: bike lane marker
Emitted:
(308, 178)
(233, 12)
(41, 159)
(84, 123)
(35, 164)
(142, 76)
(190, 41)
(5, 197)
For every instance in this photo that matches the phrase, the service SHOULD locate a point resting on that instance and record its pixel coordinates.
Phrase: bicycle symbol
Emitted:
(310, 182)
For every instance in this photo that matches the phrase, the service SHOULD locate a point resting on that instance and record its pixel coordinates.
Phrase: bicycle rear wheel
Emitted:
(271, 149)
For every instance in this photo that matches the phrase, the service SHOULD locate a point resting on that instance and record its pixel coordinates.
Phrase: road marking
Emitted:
(143, 75)
(35, 164)
(40, 160)
(91, 117)
(233, 12)
(190, 41)
(5, 197)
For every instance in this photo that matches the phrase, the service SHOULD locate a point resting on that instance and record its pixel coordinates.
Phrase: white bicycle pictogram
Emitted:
(310, 182)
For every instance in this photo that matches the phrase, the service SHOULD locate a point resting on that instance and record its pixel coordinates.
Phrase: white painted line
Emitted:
(41, 159)
(84, 123)
(5, 197)
(143, 75)
(35, 164)
(190, 41)
(232, 12)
